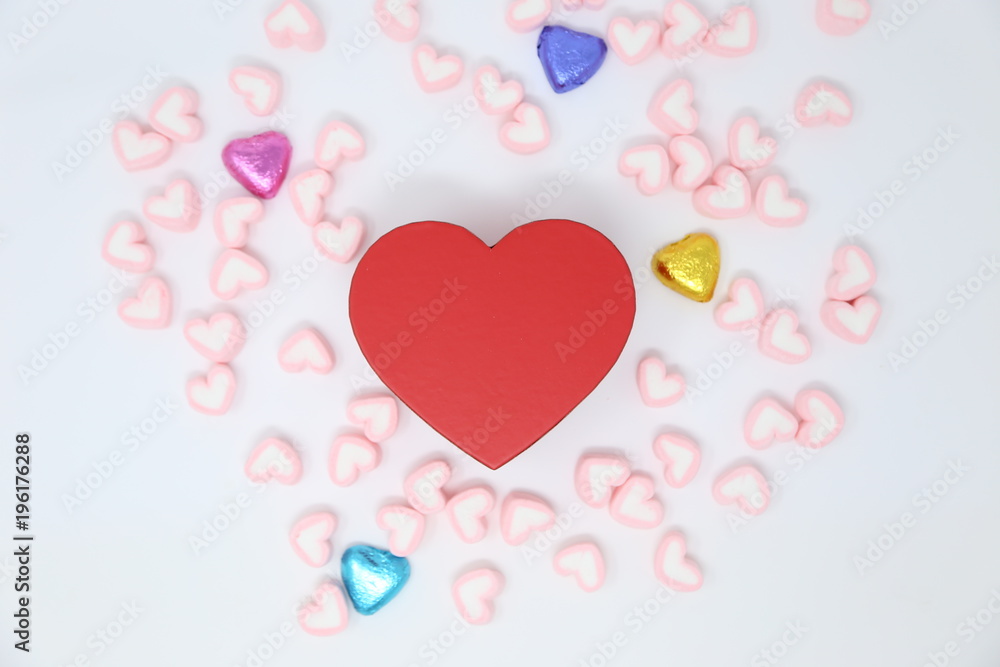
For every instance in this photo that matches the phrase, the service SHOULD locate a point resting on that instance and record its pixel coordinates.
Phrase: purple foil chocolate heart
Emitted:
(568, 57)
(259, 163)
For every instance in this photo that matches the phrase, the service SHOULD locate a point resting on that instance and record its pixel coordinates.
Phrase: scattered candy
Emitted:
(179, 209)
(350, 456)
(337, 142)
(521, 514)
(823, 103)
(403, 20)
(745, 487)
(173, 115)
(597, 476)
(495, 95)
(467, 512)
(233, 218)
(728, 196)
(735, 36)
(690, 266)
(405, 526)
(377, 415)
(259, 86)
(633, 42)
(672, 566)
(685, 29)
(259, 163)
(569, 58)
(150, 309)
(854, 274)
(306, 350)
(657, 388)
(585, 562)
(747, 149)
(780, 337)
(768, 422)
(235, 270)
(274, 459)
(326, 613)
(308, 191)
(681, 457)
(136, 149)
(528, 132)
(671, 110)
(422, 487)
(213, 393)
(694, 164)
(339, 243)
(650, 166)
(842, 17)
(853, 321)
(822, 418)
(125, 247)
(373, 577)
(294, 24)
(474, 594)
(310, 538)
(219, 339)
(526, 15)
(774, 206)
(634, 503)
(574, 5)
(435, 73)
(745, 307)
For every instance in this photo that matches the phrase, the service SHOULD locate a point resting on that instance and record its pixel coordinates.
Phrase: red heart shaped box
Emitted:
(492, 347)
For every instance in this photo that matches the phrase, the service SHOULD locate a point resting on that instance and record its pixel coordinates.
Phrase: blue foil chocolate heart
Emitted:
(568, 57)
(372, 577)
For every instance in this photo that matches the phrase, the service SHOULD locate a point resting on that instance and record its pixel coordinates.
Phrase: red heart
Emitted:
(492, 346)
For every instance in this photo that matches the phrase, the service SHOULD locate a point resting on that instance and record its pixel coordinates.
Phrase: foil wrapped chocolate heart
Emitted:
(259, 163)
(690, 266)
(568, 57)
(372, 577)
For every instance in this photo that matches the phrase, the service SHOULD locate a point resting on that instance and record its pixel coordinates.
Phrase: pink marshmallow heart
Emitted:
(745, 307)
(672, 566)
(780, 337)
(136, 149)
(658, 388)
(694, 164)
(400, 21)
(634, 503)
(597, 475)
(308, 192)
(294, 24)
(854, 274)
(350, 456)
(728, 196)
(774, 207)
(767, 422)
(213, 393)
(405, 526)
(522, 514)
(474, 593)
(650, 166)
(745, 487)
(150, 309)
(681, 456)
(377, 415)
(434, 73)
(179, 209)
(495, 95)
(422, 487)
(822, 418)
(306, 350)
(584, 562)
(218, 339)
(735, 36)
(259, 86)
(842, 17)
(685, 28)
(235, 271)
(467, 512)
(633, 42)
(337, 142)
(339, 243)
(310, 538)
(747, 149)
(233, 218)
(823, 103)
(528, 132)
(526, 15)
(326, 612)
(853, 321)
(273, 459)
(671, 110)
(125, 247)
(173, 115)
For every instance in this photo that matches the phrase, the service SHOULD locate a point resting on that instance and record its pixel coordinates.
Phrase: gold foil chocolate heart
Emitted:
(689, 267)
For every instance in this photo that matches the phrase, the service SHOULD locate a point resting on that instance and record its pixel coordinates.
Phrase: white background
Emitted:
(129, 541)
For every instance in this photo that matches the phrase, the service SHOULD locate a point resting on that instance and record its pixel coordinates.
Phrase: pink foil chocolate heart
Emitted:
(259, 163)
